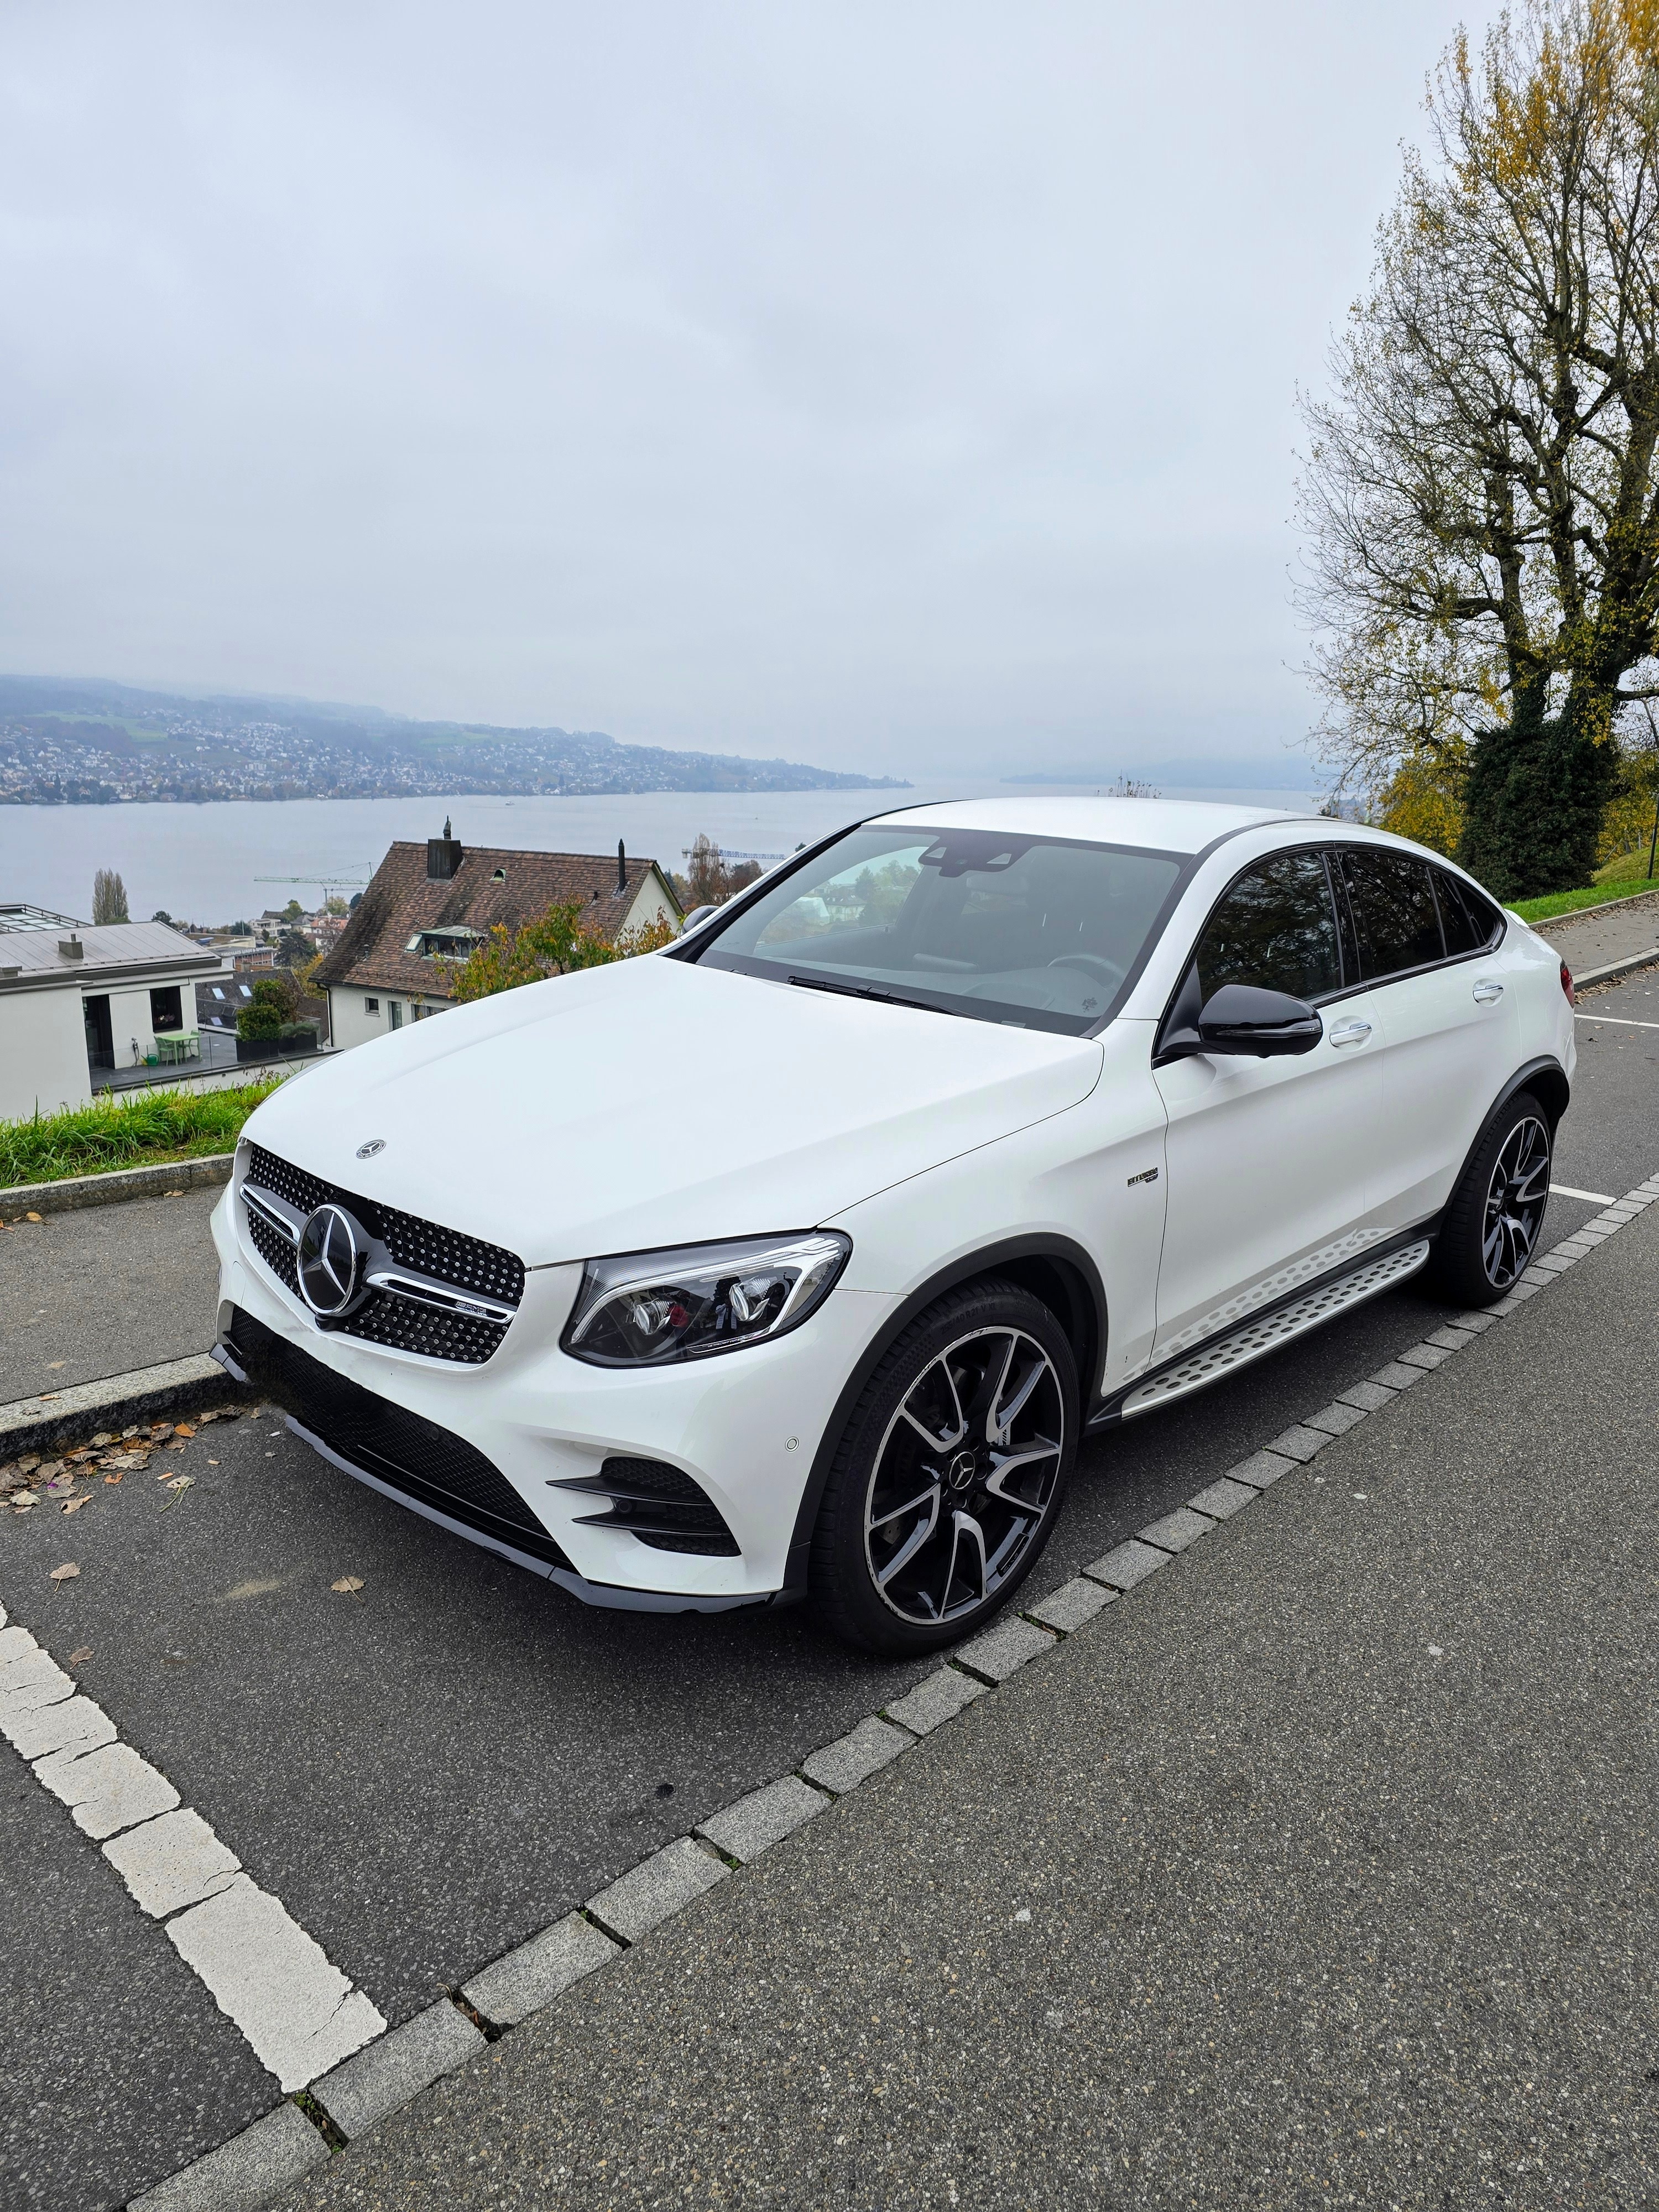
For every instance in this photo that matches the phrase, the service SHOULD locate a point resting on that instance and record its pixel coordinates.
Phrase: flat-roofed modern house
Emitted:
(429, 905)
(77, 1004)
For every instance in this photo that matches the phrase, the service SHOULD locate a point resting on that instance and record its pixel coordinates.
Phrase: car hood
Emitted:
(656, 1103)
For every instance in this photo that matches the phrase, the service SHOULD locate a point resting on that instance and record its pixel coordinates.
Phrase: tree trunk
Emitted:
(1533, 806)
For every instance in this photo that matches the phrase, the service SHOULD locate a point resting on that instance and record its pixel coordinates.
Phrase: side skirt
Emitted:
(1264, 1332)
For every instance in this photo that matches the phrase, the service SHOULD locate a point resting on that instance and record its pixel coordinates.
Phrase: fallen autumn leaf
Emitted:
(348, 1585)
(80, 1658)
(66, 1573)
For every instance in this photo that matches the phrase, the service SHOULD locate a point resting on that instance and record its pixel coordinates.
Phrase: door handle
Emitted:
(1350, 1033)
(1487, 994)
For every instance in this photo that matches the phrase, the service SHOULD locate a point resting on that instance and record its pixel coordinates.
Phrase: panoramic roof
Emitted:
(1165, 825)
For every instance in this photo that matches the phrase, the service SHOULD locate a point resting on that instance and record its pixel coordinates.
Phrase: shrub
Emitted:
(556, 944)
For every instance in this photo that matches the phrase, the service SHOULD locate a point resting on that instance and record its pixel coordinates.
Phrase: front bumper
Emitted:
(745, 1426)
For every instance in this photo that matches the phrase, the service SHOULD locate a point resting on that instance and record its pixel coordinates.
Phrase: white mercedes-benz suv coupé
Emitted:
(798, 1257)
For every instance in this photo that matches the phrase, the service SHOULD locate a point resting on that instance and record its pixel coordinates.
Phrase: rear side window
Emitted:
(1470, 921)
(1395, 913)
(1276, 928)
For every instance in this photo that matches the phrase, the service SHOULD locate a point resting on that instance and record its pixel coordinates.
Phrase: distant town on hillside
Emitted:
(68, 743)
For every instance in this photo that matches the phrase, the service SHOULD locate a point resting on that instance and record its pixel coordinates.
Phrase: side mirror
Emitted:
(1240, 1019)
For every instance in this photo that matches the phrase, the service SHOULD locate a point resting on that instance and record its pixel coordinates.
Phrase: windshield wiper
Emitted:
(866, 991)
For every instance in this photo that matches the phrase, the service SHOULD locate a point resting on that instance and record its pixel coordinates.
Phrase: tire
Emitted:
(950, 1474)
(1491, 1227)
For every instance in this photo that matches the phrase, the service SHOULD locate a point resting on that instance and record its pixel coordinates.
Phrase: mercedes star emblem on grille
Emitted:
(330, 1262)
(374, 1145)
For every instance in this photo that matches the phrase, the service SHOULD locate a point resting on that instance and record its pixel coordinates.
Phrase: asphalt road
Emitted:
(105, 1290)
(429, 1769)
(1323, 1870)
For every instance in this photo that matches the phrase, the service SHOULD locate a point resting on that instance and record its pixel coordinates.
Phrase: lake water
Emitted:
(211, 864)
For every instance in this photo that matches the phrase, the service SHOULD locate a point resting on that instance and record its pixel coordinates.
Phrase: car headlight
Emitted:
(645, 1309)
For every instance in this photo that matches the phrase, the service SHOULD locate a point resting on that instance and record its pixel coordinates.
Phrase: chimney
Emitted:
(622, 869)
(443, 857)
(70, 948)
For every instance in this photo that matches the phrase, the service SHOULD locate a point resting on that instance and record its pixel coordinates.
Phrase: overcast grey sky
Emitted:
(901, 383)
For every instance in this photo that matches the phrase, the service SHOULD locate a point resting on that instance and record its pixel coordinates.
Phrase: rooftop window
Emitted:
(454, 942)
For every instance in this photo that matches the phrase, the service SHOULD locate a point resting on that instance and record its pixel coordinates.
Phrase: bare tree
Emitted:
(109, 898)
(710, 877)
(1480, 491)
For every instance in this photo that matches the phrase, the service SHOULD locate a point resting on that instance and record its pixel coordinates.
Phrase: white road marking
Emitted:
(1566, 1190)
(300, 2013)
(106, 1790)
(1625, 1020)
(276, 1984)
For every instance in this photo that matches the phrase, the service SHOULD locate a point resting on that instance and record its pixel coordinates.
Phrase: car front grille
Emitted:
(410, 1454)
(659, 1503)
(425, 1247)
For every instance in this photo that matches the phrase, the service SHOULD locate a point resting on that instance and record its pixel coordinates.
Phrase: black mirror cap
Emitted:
(1241, 1018)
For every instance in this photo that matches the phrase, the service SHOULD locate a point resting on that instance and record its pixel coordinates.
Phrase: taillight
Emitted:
(1566, 985)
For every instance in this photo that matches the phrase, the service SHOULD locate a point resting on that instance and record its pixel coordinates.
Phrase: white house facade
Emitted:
(76, 1003)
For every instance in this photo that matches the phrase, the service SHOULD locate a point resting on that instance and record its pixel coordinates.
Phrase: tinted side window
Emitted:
(1394, 911)
(1470, 921)
(1276, 928)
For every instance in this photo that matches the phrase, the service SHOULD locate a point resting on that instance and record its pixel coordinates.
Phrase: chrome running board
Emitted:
(1268, 1331)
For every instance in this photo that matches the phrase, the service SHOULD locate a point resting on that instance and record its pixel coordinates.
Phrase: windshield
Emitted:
(1029, 930)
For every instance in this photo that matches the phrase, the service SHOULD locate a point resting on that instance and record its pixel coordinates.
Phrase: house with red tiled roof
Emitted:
(429, 905)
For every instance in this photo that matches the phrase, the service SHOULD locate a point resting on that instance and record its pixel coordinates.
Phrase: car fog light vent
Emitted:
(659, 1504)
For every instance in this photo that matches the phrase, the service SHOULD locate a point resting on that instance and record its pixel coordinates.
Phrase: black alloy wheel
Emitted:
(950, 1474)
(1492, 1225)
(1516, 1193)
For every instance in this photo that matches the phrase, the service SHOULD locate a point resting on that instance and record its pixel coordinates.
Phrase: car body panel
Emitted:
(653, 1104)
(1093, 1176)
(1273, 1177)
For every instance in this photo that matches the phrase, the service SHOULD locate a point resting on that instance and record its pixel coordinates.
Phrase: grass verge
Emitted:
(1555, 902)
(146, 1128)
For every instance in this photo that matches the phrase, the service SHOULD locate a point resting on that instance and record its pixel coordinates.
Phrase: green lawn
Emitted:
(1544, 909)
(144, 1128)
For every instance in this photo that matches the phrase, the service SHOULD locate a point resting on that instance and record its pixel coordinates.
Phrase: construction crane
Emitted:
(324, 883)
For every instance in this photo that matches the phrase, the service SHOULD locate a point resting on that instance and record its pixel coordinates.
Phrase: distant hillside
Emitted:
(65, 741)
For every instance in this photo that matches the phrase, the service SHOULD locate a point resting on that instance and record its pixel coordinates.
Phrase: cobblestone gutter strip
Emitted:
(75, 1192)
(59, 1419)
(256, 2165)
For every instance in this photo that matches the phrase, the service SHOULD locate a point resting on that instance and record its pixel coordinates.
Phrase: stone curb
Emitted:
(396, 2067)
(61, 1418)
(1616, 968)
(254, 2166)
(540, 1971)
(75, 1192)
(244, 2172)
